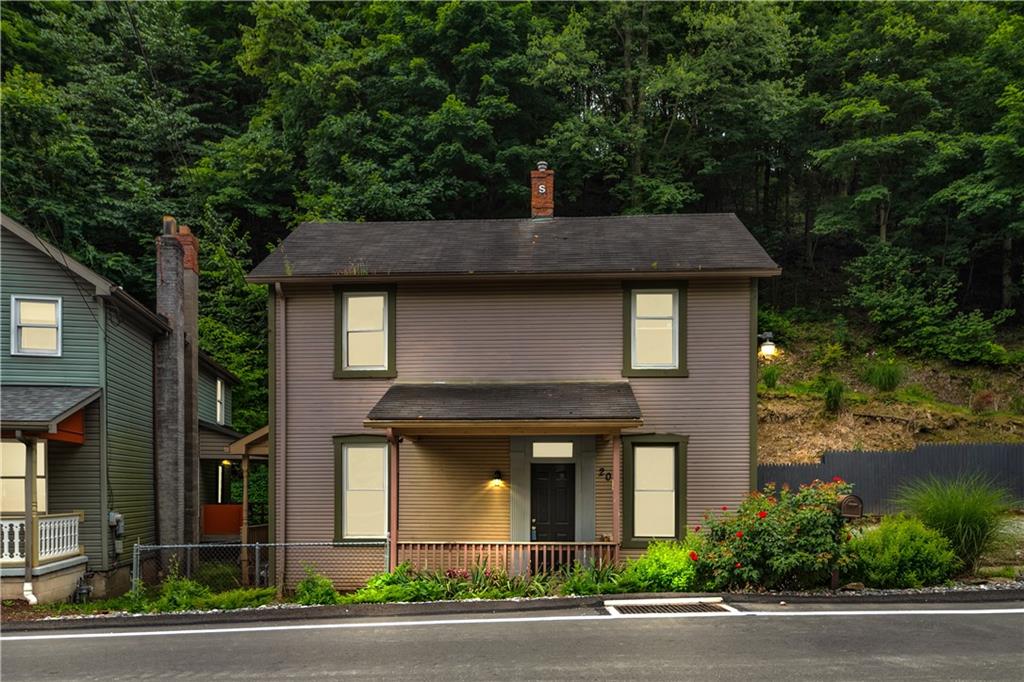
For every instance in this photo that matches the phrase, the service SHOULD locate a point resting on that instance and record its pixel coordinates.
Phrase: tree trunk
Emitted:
(808, 242)
(1008, 289)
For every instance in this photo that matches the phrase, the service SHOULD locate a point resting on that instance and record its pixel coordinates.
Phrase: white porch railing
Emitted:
(55, 535)
(58, 536)
(12, 540)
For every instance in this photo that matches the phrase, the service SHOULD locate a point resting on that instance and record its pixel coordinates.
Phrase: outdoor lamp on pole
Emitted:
(220, 479)
(768, 348)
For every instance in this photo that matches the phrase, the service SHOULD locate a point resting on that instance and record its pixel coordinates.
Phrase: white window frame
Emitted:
(345, 489)
(220, 400)
(344, 330)
(675, 328)
(16, 325)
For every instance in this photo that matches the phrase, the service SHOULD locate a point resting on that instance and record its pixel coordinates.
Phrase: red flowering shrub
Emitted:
(789, 539)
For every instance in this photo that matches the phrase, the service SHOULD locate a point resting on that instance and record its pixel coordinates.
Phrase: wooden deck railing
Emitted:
(516, 558)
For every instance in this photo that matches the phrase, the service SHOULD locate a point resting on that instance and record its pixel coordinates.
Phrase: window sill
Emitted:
(678, 372)
(365, 374)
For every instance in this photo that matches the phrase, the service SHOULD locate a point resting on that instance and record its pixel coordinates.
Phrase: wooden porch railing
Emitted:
(516, 558)
(55, 538)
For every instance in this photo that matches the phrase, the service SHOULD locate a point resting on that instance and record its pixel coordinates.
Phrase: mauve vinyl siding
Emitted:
(540, 331)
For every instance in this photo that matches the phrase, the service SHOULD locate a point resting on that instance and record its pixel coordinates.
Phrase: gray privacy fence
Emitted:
(878, 476)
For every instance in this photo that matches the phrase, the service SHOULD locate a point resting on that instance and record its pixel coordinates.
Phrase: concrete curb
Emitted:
(487, 607)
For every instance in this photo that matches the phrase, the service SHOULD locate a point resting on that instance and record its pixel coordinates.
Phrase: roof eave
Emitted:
(505, 426)
(737, 273)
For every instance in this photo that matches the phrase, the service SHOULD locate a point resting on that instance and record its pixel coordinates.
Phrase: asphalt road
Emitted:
(812, 643)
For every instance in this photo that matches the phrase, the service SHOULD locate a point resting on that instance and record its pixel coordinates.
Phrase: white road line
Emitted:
(520, 619)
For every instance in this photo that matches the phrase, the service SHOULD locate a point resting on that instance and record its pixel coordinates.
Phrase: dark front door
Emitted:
(553, 502)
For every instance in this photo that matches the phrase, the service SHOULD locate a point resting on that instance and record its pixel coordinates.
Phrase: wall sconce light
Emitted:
(496, 480)
(225, 462)
(768, 348)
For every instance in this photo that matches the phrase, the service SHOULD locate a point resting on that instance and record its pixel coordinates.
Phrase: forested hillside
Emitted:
(875, 149)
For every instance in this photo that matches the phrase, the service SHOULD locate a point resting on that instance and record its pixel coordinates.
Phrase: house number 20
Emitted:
(606, 475)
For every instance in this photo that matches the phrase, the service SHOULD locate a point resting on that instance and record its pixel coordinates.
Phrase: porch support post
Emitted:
(245, 518)
(392, 500)
(29, 548)
(616, 488)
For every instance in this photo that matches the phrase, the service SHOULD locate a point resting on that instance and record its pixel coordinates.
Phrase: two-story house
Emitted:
(520, 392)
(105, 406)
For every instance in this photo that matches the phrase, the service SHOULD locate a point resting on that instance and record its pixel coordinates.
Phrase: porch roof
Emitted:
(569, 407)
(42, 408)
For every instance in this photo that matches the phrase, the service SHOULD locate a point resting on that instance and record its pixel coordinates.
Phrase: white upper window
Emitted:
(654, 491)
(220, 401)
(364, 495)
(655, 329)
(365, 332)
(35, 325)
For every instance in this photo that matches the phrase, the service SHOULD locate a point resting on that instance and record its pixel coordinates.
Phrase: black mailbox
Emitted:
(851, 507)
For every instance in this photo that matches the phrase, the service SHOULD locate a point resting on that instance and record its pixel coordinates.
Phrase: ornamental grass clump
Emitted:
(967, 510)
(902, 553)
(781, 539)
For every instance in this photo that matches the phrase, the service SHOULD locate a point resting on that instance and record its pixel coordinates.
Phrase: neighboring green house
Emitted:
(82, 400)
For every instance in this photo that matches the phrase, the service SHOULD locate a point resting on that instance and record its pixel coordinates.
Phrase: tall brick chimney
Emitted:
(542, 191)
(176, 385)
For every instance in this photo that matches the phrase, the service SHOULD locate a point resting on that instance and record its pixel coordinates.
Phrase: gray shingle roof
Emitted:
(607, 244)
(534, 401)
(37, 407)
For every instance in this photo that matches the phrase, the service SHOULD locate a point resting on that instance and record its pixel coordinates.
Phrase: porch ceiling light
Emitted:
(496, 480)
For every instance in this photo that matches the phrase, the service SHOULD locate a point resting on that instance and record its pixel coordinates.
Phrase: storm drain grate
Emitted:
(628, 609)
(681, 605)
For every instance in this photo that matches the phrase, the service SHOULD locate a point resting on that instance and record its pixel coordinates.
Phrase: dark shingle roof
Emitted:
(535, 401)
(607, 244)
(37, 407)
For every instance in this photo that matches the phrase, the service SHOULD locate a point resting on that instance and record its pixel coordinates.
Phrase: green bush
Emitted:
(884, 375)
(776, 540)
(829, 355)
(405, 585)
(242, 598)
(902, 553)
(834, 392)
(590, 579)
(666, 567)
(967, 510)
(1017, 404)
(316, 589)
(769, 320)
(179, 594)
(217, 575)
(770, 375)
(917, 312)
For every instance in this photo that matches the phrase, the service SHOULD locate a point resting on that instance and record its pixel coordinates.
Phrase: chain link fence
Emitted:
(227, 566)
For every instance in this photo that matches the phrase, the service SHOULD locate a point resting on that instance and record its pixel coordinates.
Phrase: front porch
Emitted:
(530, 482)
(48, 548)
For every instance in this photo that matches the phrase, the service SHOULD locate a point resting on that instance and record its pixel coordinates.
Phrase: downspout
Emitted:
(30, 516)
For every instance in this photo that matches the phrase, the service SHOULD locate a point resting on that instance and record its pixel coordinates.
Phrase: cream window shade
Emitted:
(544, 450)
(654, 492)
(365, 331)
(655, 328)
(12, 477)
(364, 496)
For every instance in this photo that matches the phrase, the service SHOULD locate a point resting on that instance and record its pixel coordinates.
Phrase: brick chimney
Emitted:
(176, 379)
(542, 191)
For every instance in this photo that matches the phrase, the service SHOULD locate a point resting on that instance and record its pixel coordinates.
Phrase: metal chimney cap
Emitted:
(542, 165)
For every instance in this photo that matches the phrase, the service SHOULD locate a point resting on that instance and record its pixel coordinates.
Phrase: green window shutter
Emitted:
(340, 371)
(628, 290)
(629, 443)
